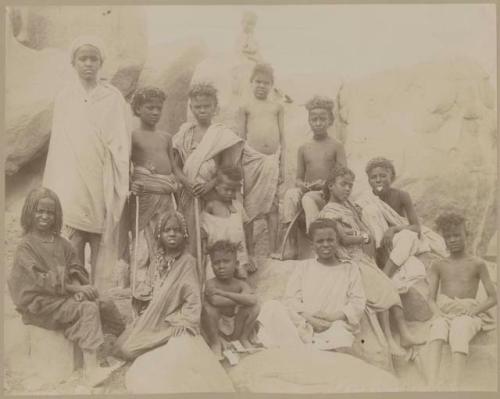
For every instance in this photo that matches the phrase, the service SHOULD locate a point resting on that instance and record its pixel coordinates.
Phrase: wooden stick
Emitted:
(288, 231)
(198, 239)
(134, 273)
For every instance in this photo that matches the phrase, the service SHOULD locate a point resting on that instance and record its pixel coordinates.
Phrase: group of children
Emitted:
(199, 193)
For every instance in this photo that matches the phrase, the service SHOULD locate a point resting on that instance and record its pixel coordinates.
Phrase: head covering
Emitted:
(90, 40)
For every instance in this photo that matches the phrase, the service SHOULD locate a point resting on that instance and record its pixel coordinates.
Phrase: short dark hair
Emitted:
(322, 223)
(449, 220)
(264, 69)
(31, 204)
(145, 94)
(203, 89)
(338, 171)
(381, 162)
(321, 102)
(233, 173)
(225, 246)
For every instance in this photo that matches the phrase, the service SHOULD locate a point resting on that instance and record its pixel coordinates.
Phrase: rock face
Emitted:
(171, 67)
(38, 66)
(437, 123)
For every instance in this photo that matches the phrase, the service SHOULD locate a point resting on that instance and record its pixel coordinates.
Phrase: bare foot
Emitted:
(396, 350)
(217, 350)
(275, 256)
(251, 267)
(97, 375)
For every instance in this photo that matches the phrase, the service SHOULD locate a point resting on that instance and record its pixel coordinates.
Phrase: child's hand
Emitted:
(177, 331)
(387, 238)
(471, 312)
(200, 189)
(137, 187)
(316, 185)
(88, 292)
(319, 325)
(79, 296)
(210, 291)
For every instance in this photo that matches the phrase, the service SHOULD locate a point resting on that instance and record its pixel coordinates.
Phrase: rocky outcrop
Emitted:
(171, 67)
(38, 66)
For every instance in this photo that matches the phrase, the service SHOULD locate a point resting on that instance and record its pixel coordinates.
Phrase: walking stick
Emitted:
(198, 239)
(134, 272)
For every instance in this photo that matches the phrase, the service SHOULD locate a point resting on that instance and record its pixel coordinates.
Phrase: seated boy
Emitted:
(453, 287)
(261, 125)
(324, 298)
(153, 182)
(390, 214)
(230, 307)
(223, 218)
(315, 160)
(51, 288)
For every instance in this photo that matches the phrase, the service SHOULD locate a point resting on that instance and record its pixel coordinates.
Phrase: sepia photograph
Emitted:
(282, 198)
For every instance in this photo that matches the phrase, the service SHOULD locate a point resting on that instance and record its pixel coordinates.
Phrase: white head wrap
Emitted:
(93, 41)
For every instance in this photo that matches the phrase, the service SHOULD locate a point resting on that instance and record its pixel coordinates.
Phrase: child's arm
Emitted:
(491, 300)
(281, 124)
(301, 170)
(213, 297)
(433, 279)
(241, 122)
(177, 169)
(348, 239)
(246, 297)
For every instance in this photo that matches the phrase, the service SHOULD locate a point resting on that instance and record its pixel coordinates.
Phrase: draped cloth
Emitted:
(156, 199)
(199, 164)
(176, 302)
(37, 284)
(88, 164)
(261, 172)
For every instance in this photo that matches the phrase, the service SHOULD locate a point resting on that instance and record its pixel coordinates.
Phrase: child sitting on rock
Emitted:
(223, 217)
(51, 289)
(230, 307)
(453, 287)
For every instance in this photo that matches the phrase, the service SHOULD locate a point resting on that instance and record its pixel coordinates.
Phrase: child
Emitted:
(354, 236)
(391, 216)
(153, 183)
(202, 147)
(315, 161)
(453, 286)
(223, 217)
(230, 304)
(325, 299)
(175, 305)
(261, 125)
(51, 288)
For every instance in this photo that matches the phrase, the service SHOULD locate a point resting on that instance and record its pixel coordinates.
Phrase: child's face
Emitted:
(45, 215)
(454, 238)
(226, 189)
(324, 242)
(203, 108)
(319, 121)
(87, 62)
(172, 236)
(380, 179)
(223, 264)
(341, 189)
(261, 85)
(150, 111)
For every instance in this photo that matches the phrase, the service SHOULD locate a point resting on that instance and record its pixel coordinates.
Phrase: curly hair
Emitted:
(30, 207)
(449, 220)
(321, 102)
(322, 223)
(381, 162)
(163, 220)
(145, 94)
(225, 246)
(338, 171)
(203, 89)
(264, 69)
(233, 173)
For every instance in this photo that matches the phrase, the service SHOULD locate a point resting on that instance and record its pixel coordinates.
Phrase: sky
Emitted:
(344, 41)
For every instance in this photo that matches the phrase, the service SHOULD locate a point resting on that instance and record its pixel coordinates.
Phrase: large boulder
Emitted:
(38, 66)
(437, 123)
(170, 67)
(309, 371)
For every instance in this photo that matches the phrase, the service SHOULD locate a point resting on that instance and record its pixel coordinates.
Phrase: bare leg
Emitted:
(210, 322)
(458, 360)
(244, 323)
(434, 362)
(94, 374)
(272, 219)
(78, 242)
(394, 347)
(407, 338)
(291, 246)
(248, 227)
(390, 267)
(95, 244)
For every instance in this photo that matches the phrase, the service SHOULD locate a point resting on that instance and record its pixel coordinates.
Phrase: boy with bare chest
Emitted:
(453, 287)
(261, 125)
(153, 183)
(315, 161)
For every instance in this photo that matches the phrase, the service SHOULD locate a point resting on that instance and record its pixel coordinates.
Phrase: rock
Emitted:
(308, 371)
(170, 67)
(38, 66)
(437, 116)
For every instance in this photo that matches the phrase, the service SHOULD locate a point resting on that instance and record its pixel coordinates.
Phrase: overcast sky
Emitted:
(345, 40)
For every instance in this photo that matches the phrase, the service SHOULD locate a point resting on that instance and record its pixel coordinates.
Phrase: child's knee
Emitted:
(439, 330)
